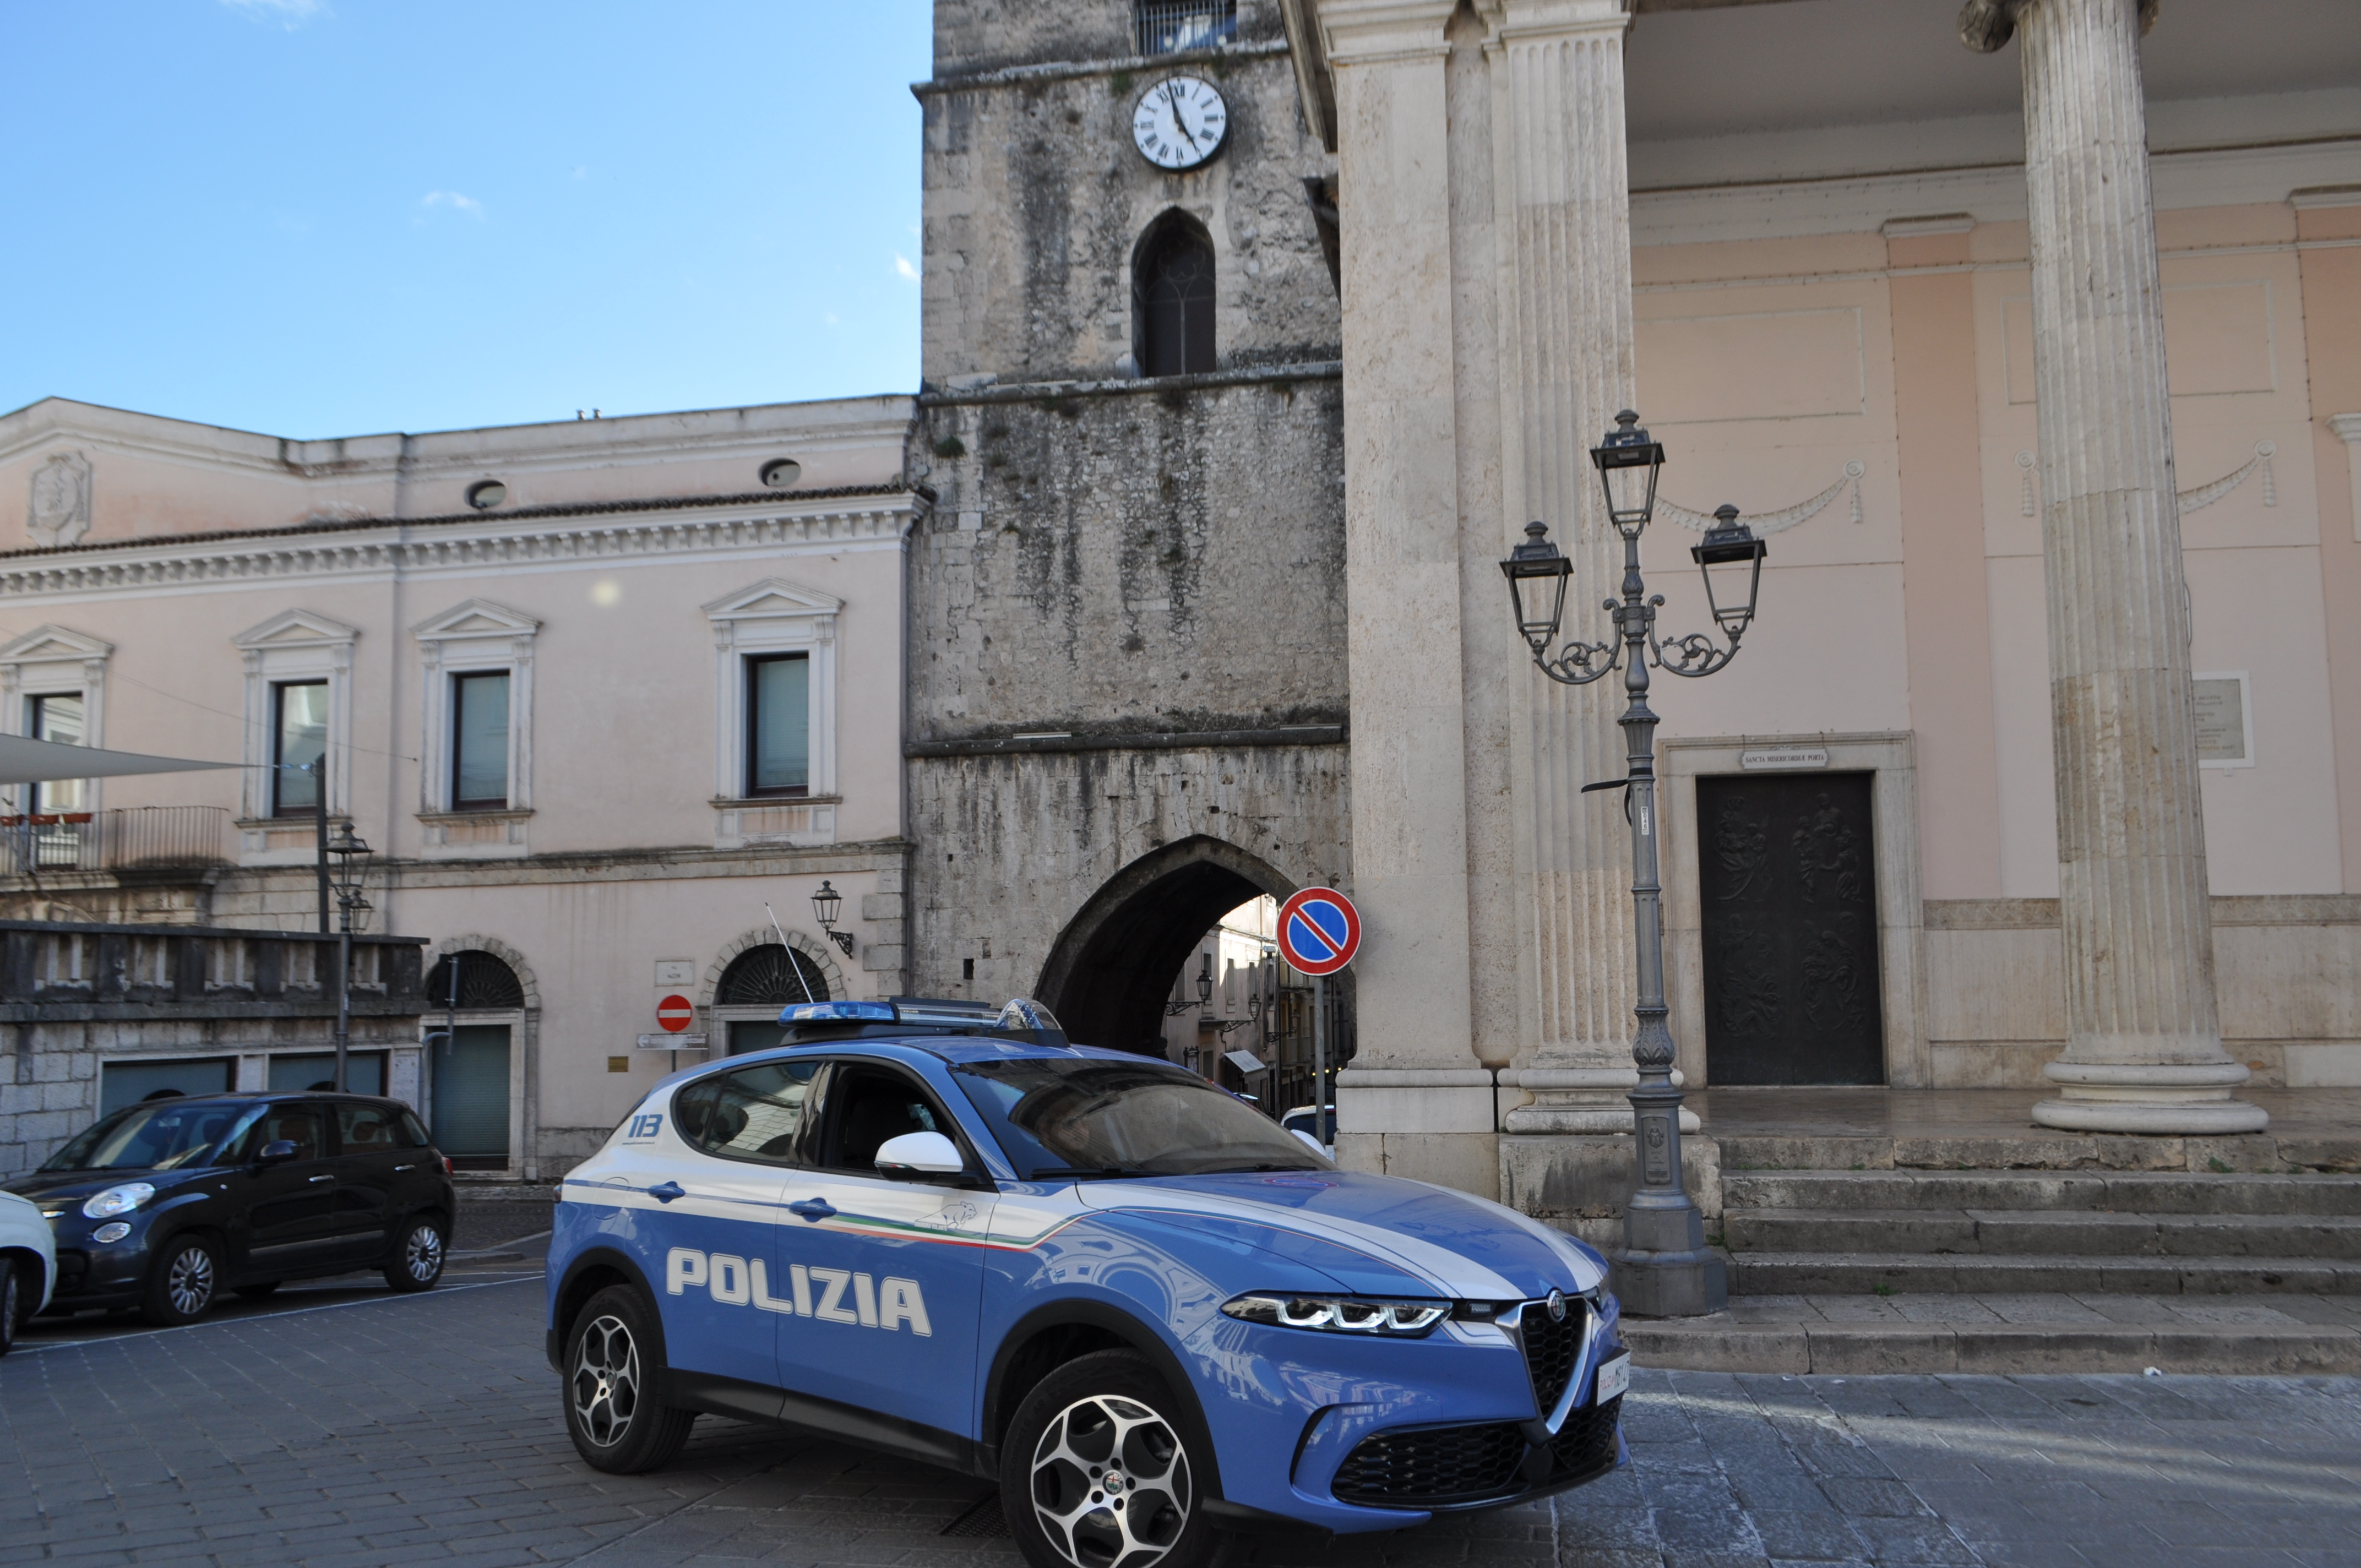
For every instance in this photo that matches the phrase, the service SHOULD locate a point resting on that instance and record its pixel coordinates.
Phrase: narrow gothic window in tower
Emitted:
(1167, 26)
(1173, 282)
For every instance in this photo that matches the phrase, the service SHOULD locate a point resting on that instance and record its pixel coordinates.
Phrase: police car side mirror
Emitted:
(279, 1151)
(916, 1156)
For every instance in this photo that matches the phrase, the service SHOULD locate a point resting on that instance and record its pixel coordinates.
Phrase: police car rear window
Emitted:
(1063, 1118)
(752, 1114)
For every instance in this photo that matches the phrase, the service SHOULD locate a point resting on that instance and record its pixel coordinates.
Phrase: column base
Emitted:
(2149, 1101)
(1563, 1119)
(1667, 1271)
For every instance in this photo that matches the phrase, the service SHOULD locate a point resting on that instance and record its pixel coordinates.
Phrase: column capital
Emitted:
(1986, 25)
(2347, 428)
(1531, 21)
(1367, 32)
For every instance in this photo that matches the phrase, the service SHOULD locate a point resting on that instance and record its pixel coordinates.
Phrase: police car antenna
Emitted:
(790, 951)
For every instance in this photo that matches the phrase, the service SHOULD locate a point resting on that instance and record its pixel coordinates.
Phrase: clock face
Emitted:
(1179, 123)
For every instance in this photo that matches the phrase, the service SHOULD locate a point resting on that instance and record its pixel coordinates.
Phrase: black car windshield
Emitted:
(165, 1135)
(1067, 1117)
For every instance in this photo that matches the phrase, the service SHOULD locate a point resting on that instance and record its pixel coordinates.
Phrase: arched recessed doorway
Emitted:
(1111, 973)
(757, 984)
(475, 1078)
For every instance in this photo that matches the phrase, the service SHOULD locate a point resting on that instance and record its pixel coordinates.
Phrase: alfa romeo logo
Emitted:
(1557, 1306)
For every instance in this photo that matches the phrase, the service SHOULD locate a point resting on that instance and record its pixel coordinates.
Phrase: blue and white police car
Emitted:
(1148, 1313)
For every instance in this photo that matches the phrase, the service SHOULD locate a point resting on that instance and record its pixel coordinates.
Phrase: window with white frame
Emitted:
(299, 724)
(778, 724)
(52, 687)
(775, 693)
(299, 744)
(57, 717)
(477, 730)
(480, 741)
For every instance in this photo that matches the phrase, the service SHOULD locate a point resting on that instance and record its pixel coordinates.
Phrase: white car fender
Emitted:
(22, 1229)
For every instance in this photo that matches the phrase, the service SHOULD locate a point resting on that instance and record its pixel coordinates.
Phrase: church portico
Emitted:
(2011, 655)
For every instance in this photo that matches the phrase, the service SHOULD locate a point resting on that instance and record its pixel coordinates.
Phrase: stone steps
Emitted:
(1994, 1232)
(1859, 1273)
(2137, 1193)
(1802, 1342)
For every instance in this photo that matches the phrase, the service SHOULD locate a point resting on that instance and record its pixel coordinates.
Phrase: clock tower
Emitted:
(1127, 617)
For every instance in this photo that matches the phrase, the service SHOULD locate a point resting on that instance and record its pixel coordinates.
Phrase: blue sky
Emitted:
(337, 217)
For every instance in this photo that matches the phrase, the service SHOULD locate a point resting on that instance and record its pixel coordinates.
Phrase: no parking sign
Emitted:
(1319, 930)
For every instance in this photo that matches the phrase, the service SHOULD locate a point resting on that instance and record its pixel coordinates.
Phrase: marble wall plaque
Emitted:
(2222, 718)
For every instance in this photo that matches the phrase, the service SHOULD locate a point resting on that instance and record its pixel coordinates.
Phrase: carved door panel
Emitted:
(1788, 887)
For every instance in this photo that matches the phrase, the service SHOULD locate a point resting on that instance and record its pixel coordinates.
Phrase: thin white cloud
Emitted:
(902, 267)
(454, 201)
(292, 13)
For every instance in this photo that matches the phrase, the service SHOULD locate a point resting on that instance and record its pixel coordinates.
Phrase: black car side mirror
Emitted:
(277, 1152)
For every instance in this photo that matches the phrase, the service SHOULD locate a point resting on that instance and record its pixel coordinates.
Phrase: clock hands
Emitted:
(1172, 105)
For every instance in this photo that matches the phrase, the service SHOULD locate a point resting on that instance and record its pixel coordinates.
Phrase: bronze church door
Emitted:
(1788, 888)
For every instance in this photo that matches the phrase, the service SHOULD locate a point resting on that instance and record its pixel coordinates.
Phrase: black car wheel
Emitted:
(183, 1282)
(1097, 1471)
(611, 1368)
(12, 1310)
(417, 1261)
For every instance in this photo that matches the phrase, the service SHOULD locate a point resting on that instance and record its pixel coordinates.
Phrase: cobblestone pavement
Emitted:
(368, 1430)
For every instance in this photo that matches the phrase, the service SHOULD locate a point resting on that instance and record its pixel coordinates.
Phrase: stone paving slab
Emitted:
(425, 1430)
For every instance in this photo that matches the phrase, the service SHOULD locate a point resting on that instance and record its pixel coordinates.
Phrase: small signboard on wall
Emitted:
(1781, 759)
(2225, 722)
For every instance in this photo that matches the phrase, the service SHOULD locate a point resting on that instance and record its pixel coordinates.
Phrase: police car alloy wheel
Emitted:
(1096, 1472)
(611, 1369)
(183, 1283)
(418, 1260)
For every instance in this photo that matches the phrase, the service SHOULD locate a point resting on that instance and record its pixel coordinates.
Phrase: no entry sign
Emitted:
(675, 1013)
(1319, 930)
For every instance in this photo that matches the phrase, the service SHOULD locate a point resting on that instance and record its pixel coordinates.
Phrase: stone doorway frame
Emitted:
(1890, 758)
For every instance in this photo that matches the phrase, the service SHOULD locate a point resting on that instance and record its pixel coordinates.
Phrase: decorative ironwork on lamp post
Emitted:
(1664, 1270)
(351, 871)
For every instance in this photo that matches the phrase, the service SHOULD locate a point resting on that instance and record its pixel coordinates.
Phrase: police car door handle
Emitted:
(324, 1178)
(813, 1209)
(665, 1192)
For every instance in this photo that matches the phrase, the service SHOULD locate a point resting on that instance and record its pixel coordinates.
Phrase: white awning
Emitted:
(27, 761)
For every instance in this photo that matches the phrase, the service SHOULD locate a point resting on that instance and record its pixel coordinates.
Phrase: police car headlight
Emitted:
(1340, 1314)
(120, 1199)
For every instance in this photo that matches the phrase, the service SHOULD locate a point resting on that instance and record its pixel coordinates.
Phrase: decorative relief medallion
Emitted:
(60, 512)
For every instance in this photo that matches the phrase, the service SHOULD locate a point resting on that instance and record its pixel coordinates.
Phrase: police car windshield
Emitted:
(1066, 1118)
(167, 1135)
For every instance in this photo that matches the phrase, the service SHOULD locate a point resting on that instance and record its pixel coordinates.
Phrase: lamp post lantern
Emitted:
(351, 871)
(825, 905)
(1664, 1270)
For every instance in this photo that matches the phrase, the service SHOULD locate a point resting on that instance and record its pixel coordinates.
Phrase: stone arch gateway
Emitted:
(1111, 968)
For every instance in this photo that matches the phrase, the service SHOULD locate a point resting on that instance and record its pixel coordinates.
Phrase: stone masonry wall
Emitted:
(1036, 199)
(50, 1073)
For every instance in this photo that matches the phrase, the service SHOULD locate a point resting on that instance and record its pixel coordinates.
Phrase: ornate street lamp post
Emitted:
(352, 862)
(1664, 1270)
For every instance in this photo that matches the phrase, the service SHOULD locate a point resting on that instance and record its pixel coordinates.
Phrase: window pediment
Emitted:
(295, 629)
(476, 618)
(53, 644)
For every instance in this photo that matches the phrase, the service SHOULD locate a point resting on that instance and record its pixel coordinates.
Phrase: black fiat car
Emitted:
(163, 1205)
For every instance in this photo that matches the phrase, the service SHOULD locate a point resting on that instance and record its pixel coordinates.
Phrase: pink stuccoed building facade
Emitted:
(596, 693)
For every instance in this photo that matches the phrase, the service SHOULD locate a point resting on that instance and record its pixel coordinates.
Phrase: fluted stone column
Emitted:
(2144, 1041)
(1566, 344)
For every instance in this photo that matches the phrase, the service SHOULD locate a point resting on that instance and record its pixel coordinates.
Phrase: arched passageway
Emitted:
(1111, 971)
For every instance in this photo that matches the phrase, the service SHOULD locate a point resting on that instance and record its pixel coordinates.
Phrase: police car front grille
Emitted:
(1552, 1349)
(1430, 1466)
(1587, 1442)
